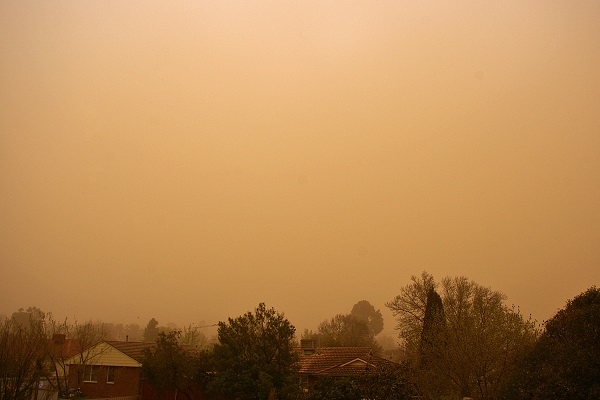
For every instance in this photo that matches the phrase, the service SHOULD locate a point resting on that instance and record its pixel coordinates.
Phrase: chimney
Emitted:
(308, 346)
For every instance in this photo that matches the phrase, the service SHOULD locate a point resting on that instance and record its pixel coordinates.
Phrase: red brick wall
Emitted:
(127, 382)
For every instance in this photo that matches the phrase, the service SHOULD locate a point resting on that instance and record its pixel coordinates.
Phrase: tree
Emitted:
(388, 381)
(171, 368)
(34, 346)
(343, 330)
(409, 309)
(86, 336)
(36, 334)
(151, 331)
(192, 336)
(471, 346)
(565, 363)
(254, 356)
(62, 341)
(58, 352)
(434, 329)
(28, 319)
(335, 388)
(365, 311)
(21, 360)
(27, 334)
(432, 347)
(133, 332)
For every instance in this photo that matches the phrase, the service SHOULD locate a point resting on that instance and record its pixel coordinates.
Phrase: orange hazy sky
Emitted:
(188, 160)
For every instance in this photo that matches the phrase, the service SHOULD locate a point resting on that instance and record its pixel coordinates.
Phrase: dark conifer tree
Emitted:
(434, 324)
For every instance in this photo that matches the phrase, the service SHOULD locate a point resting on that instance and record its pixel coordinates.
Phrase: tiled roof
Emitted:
(134, 350)
(354, 367)
(338, 361)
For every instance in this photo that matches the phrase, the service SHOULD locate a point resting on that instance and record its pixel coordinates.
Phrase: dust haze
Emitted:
(186, 161)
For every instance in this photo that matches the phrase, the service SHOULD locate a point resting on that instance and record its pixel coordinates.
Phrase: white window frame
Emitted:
(111, 371)
(90, 374)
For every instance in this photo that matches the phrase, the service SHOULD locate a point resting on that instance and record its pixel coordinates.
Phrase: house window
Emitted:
(90, 373)
(110, 374)
(304, 382)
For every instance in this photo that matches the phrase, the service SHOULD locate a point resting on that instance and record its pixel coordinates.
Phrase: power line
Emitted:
(206, 326)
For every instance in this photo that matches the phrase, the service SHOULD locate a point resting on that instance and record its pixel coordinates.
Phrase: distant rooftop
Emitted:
(338, 361)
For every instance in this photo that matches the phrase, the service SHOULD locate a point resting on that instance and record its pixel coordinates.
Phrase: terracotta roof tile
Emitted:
(134, 350)
(338, 361)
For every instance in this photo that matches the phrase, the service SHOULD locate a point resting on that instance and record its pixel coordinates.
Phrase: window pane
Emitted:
(90, 373)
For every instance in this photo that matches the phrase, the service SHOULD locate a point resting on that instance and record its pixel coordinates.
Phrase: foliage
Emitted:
(343, 330)
(122, 332)
(151, 331)
(434, 328)
(363, 310)
(32, 318)
(21, 359)
(387, 381)
(192, 336)
(431, 348)
(254, 356)
(333, 388)
(30, 350)
(169, 367)
(57, 353)
(409, 309)
(565, 363)
(471, 351)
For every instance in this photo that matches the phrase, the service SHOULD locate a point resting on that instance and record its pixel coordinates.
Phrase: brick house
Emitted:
(317, 362)
(113, 370)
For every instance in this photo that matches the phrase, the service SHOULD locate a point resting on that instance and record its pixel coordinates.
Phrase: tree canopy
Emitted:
(170, 367)
(343, 330)
(21, 359)
(365, 311)
(434, 328)
(468, 343)
(151, 331)
(254, 357)
(565, 363)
